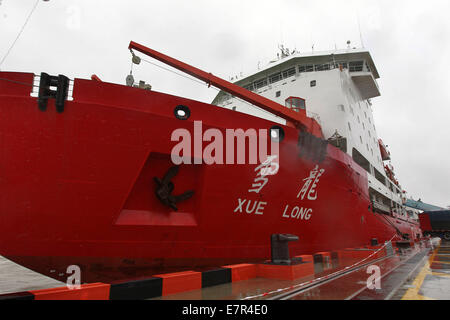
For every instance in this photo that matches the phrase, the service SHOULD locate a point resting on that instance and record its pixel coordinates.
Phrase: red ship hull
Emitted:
(76, 188)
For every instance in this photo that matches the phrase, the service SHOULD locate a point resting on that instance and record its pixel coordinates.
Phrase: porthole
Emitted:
(277, 133)
(182, 112)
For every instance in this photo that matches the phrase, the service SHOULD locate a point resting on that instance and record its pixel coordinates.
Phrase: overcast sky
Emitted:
(408, 40)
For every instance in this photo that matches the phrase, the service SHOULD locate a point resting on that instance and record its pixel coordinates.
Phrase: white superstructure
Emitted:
(337, 86)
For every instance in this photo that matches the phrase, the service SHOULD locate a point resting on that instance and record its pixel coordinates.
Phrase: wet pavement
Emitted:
(351, 285)
(360, 284)
(432, 282)
(395, 279)
(419, 273)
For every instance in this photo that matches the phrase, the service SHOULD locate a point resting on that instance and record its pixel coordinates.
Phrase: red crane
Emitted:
(293, 118)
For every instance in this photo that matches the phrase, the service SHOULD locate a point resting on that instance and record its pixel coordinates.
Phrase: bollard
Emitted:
(280, 248)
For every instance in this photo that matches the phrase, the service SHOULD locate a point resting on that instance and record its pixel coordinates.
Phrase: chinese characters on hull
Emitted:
(309, 192)
(310, 185)
(268, 167)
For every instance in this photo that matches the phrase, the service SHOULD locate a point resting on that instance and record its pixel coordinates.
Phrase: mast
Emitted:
(294, 119)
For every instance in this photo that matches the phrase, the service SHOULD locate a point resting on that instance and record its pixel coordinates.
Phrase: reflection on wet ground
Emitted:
(432, 281)
(417, 273)
(15, 278)
(345, 286)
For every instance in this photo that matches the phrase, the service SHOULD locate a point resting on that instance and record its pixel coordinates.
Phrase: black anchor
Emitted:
(165, 188)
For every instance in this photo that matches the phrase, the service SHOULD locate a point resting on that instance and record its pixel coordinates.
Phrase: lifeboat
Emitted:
(385, 154)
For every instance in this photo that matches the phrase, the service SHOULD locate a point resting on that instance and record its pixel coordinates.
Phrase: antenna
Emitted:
(281, 32)
(359, 28)
(284, 51)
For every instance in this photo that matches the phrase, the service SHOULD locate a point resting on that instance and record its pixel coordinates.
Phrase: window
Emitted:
(359, 159)
(355, 66)
(364, 127)
(359, 121)
(295, 103)
(351, 110)
(360, 138)
(343, 64)
(380, 177)
(312, 83)
(349, 128)
(249, 87)
(260, 83)
(322, 67)
(341, 107)
(277, 94)
(306, 68)
(275, 77)
(365, 114)
(288, 73)
(370, 135)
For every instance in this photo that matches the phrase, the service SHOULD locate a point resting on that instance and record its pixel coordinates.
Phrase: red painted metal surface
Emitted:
(425, 224)
(180, 282)
(283, 272)
(76, 188)
(95, 77)
(90, 291)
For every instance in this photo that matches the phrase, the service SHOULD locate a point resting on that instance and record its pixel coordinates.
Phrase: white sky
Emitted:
(408, 40)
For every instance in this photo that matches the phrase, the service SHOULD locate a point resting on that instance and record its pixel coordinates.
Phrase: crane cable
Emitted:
(202, 83)
(20, 32)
